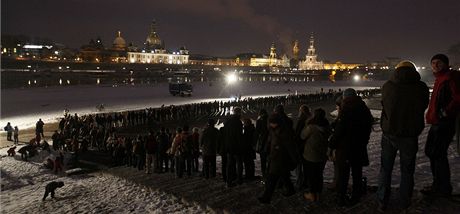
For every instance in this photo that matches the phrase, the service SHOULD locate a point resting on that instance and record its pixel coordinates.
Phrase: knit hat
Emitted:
(441, 57)
(349, 92)
(406, 64)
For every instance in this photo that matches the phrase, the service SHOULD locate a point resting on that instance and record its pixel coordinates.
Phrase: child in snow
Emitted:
(51, 187)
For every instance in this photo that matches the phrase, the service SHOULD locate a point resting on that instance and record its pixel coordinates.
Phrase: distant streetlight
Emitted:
(231, 78)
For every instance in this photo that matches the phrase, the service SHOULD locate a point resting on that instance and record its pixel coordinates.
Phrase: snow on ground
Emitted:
(23, 185)
(23, 106)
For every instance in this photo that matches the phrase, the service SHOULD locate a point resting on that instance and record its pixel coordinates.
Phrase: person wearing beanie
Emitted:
(442, 111)
(404, 100)
(349, 140)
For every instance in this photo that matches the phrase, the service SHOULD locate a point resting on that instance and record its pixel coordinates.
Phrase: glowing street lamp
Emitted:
(356, 77)
(231, 78)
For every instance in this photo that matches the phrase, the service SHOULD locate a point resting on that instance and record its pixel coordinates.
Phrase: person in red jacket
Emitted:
(442, 111)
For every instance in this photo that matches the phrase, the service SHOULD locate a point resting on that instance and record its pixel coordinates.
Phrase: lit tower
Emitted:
(295, 50)
(311, 62)
(272, 58)
(153, 41)
(311, 55)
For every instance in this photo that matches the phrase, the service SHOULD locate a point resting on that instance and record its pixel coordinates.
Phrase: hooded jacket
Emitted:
(404, 100)
(445, 99)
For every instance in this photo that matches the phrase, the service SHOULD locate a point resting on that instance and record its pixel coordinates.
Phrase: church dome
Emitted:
(119, 42)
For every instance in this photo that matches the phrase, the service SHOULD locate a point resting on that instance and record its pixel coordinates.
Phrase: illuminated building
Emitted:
(340, 66)
(270, 60)
(295, 50)
(311, 62)
(155, 52)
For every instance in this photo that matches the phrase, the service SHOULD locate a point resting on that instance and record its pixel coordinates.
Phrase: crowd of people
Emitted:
(283, 147)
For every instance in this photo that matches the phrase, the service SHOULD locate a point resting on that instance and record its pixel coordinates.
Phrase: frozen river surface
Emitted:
(22, 107)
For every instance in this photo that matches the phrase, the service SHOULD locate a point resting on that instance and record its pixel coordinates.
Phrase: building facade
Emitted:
(311, 59)
(155, 52)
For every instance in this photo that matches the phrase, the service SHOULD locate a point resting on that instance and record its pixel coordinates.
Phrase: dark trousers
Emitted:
(343, 175)
(48, 191)
(272, 182)
(234, 168)
(180, 164)
(209, 166)
(163, 162)
(408, 147)
(438, 141)
(314, 175)
(140, 162)
(188, 164)
(249, 167)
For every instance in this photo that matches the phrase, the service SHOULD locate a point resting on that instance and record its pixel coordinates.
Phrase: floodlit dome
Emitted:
(119, 42)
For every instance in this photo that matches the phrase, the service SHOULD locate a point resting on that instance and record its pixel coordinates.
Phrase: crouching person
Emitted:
(51, 187)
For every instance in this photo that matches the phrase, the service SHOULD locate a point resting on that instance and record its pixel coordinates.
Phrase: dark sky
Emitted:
(346, 30)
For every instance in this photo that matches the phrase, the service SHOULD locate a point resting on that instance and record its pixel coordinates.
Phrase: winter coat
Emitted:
(404, 100)
(151, 145)
(315, 138)
(52, 186)
(352, 131)
(261, 134)
(445, 99)
(176, 147)
(233, 132)
(283, 155)
(209, 141)
(249, 141)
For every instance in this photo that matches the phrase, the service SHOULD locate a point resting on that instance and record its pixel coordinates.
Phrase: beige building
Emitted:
(271, 60)
(311, 59)
(155, 52)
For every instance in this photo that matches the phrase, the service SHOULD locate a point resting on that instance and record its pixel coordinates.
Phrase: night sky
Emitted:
(346, 30)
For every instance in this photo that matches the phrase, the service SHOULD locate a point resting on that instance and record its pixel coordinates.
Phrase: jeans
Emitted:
(438, 141)
(408, 147)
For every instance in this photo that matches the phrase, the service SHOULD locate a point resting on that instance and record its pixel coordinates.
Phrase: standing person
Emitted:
(315, 135)
(163, 146)
(177, 151)
(442, 111)
(404, 100)
(282, 156)
(222, 151)
(262, 136)
(249, 154)
(9, 131)
(187, 152)
(16, 135)
(39, 127)
(195, 148)
(209, 148)
(151, 149)
(350, 139)
(304, 115)
(233, 136)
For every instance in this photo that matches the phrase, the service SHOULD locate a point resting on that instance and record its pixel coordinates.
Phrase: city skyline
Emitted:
(353, 32)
